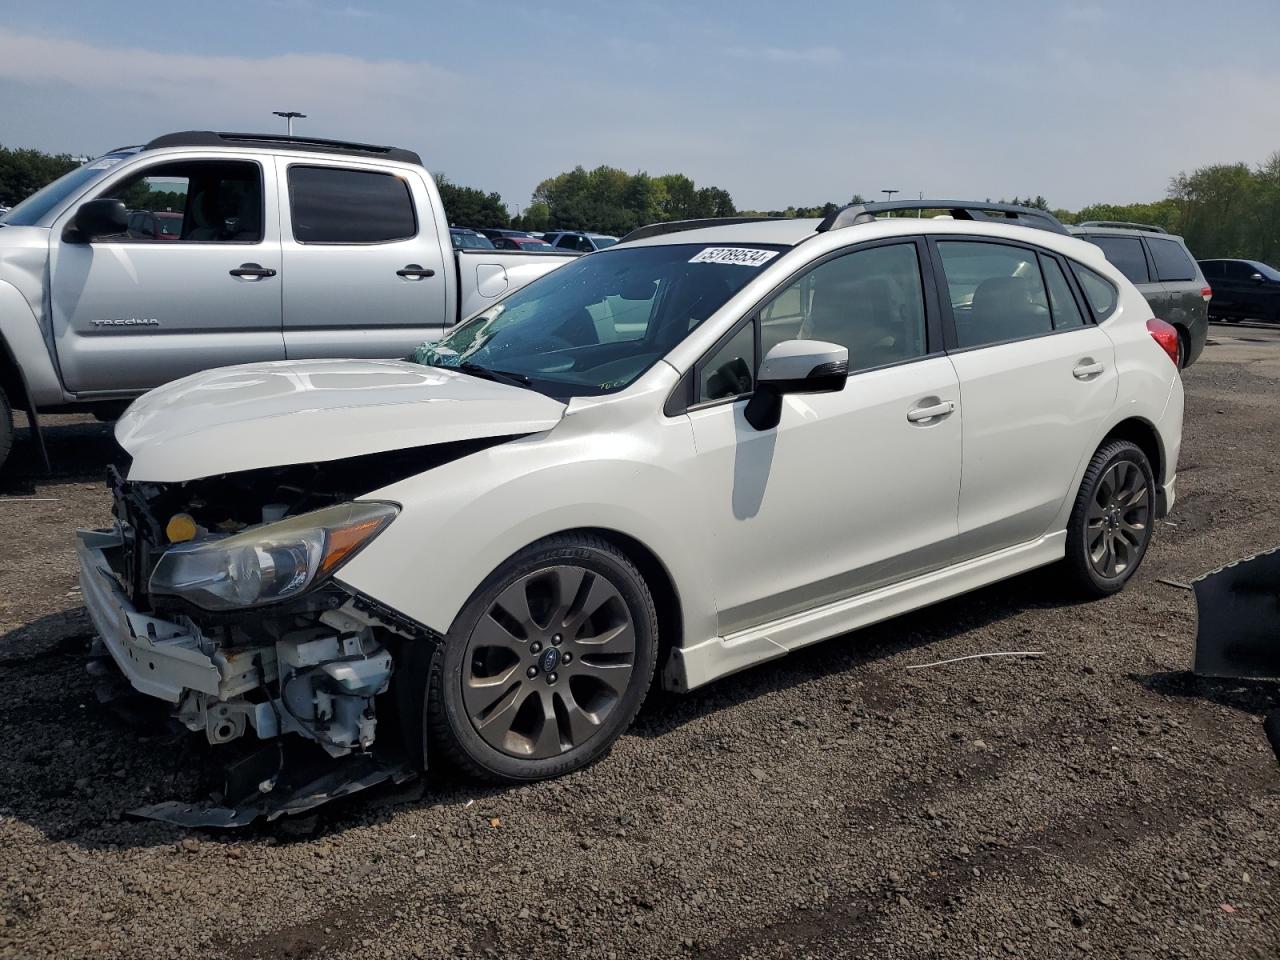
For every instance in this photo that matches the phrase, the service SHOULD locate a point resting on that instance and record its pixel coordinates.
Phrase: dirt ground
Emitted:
(1095, 801)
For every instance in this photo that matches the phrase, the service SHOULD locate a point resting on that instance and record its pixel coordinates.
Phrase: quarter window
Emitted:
(1097, 290)
(996, 292)
(333, 205)
(1066, 312)
(1212, 268)
(730, 371)
(870, 301)
(1172, 262)
(197, 201)
(1126, 253)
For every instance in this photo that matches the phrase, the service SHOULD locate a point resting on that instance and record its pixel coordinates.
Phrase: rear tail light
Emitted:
(1207, 293)
(1166, 335)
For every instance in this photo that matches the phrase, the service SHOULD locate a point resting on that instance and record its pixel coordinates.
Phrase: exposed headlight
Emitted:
(272, 562)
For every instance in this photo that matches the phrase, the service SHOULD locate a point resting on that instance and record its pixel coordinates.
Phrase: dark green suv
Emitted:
(1163, 270)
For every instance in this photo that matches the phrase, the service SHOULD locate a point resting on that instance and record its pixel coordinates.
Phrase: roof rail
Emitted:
(677, 226)
(1010, 213)
(210, 138)
(1123, 225)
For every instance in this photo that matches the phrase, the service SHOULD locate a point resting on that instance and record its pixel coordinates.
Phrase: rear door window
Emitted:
(1212, 268)
(996, 291)
(334, 205)
(1126, 253)
(1172, 262)
(1066, 312)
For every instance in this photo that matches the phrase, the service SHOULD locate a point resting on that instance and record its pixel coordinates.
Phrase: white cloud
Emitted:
(803, 55)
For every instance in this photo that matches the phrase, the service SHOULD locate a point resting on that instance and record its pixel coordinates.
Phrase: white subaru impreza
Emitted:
(681, 456)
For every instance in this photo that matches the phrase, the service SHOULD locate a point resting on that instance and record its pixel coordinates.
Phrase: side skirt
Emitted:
(692, 666)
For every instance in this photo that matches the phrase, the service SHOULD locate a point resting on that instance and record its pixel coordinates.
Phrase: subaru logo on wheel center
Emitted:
(550, 658)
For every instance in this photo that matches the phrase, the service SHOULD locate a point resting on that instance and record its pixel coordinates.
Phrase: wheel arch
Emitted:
(1142, 433)
(666, 596)
(11, 380)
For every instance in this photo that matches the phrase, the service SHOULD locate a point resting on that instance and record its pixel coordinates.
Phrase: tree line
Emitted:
(1222, 210)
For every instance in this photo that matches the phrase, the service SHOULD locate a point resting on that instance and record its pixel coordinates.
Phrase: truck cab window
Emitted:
(199, 201)
(333, 205)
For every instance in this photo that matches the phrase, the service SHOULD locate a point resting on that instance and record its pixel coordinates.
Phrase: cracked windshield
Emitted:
(596, 324)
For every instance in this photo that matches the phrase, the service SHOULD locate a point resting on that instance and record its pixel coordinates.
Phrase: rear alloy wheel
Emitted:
(1112, 520)
(548, 663)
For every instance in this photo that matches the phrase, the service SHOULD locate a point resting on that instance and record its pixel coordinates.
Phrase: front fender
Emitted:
(20, 334)
(460, 521)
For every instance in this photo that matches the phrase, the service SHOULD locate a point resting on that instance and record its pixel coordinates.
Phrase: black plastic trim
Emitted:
(211, 138)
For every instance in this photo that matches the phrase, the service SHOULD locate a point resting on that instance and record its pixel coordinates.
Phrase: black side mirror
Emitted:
(97, 218)
(795, 366)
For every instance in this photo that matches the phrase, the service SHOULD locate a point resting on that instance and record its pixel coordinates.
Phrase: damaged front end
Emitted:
(219, 596)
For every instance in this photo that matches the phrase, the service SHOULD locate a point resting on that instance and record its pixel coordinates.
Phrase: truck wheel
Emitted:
(6, 428)
(546, 665)
(1112, 520)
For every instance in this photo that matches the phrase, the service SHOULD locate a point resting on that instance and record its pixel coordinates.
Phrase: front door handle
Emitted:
(934, 410)
(1087, 369)
(413, 271)
(253, 271)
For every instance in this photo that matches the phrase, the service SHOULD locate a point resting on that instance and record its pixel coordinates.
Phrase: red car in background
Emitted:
(521, 243)
(155, 225)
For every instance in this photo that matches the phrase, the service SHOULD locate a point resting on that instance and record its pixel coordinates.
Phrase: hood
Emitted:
(308, 411)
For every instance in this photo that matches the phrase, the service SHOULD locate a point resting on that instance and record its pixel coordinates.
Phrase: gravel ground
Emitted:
(1094, 801)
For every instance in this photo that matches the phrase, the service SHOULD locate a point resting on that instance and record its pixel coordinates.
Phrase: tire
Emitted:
(1184, 348)
(553, 712)
(1115, 511)
(6, 428)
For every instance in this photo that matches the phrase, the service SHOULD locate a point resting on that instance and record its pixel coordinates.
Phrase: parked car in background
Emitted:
(1160, 266)
(155, 225)
(695, 452)
(464, 239)
(1243, 290)
(287, 247)
(494, 233)
(581, 242)
(522, 243)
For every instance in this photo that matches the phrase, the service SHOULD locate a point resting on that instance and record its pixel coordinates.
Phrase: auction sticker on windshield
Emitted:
(742, 256)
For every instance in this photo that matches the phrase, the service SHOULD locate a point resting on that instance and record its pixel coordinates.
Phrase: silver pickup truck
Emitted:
(205, 249)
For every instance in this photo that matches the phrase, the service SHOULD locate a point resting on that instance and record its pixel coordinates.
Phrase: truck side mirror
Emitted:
(97, 218)
(795, 366)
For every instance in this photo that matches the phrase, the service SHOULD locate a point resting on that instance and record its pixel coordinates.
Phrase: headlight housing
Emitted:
(272, 562)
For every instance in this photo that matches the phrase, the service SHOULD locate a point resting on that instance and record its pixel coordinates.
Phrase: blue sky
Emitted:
(778, 102)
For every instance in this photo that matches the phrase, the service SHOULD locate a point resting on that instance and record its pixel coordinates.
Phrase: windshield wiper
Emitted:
(498, 376)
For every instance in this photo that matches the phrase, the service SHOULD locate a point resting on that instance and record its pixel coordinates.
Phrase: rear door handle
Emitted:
(1087, 369)
(934, 411)
(414, 272)
(254, 271)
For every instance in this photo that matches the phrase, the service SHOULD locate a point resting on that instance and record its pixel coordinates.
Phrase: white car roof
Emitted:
(792, 232)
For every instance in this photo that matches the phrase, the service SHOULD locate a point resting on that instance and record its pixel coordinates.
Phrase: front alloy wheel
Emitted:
(547, 664)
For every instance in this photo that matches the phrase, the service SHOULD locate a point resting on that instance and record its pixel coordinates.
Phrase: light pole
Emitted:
(888, 194)
(289, 115)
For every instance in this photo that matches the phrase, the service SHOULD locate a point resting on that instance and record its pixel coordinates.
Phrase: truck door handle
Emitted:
(1087, 369)
(414, 272)
(935, 410)
(255, 271)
